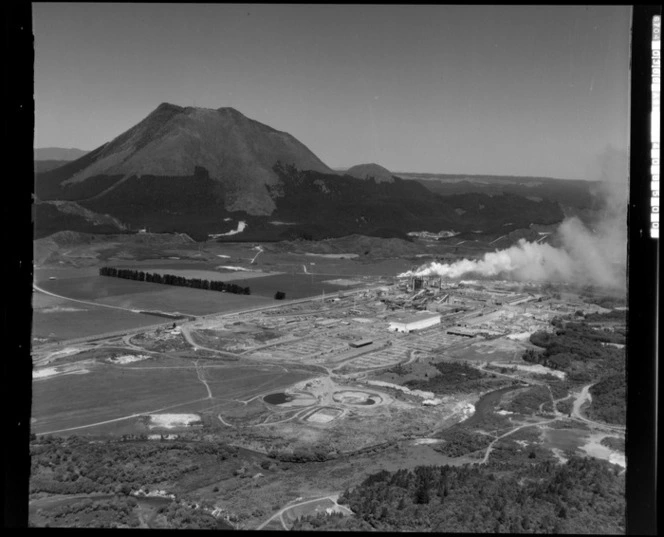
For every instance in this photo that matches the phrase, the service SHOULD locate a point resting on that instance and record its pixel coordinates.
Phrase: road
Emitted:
(187, 335)
(580, 399)
(121, 333)
(44, 291)
(512, 431)
(279, 514)
(584, 396)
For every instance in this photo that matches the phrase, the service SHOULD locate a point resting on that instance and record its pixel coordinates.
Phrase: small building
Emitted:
(417, 321)
(360, 343)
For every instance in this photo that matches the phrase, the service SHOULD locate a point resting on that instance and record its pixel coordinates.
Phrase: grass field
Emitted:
(94, 287)
(109, 392)
(294, 285)
(184, 300)
(56, 319)
(205, 274)
(87, 285)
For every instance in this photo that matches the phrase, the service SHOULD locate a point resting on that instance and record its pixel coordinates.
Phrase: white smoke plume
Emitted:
(582, 255)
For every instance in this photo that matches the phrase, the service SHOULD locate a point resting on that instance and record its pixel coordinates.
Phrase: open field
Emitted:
(55, 319)
(294, 285)
(109, 392)
(185, 300)
(87, 285)
(205, 274)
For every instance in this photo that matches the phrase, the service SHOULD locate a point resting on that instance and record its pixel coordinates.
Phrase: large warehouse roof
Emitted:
(413, 318)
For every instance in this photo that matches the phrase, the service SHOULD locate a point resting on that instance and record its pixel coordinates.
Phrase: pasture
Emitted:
(168, 298)
(294, 285)
(112, 397)
(205, 274)
(87, 285)
(291, 262)
(56, 319)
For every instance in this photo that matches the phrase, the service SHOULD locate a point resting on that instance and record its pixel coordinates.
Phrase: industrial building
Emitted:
(416, 321)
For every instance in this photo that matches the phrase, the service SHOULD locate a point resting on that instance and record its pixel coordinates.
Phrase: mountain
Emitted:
(367, 171)
(174, 142)
(218, 173)
(58, 153)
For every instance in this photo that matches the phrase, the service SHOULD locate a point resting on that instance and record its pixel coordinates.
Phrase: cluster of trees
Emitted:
(613, 315)
(77, 466)
(299, 455)
(540, 498)
(454, 376)
(594, 296)
(608, 400)
(182, 516)
(170, 279)
(579, 350)
(529, 401)
(459, 442)
(104, 513)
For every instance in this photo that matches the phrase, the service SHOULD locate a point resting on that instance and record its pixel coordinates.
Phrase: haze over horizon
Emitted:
(525, 90)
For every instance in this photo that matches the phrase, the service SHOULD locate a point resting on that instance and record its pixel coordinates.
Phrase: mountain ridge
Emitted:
(202, 171)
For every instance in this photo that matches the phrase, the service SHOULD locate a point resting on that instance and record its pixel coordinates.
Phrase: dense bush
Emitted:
(608, 400)
(541, 498)
(77, 466)
(529, 401)
(454, 376)
(459, 442)
(579, 350)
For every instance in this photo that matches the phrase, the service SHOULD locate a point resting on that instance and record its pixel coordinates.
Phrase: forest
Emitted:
(170, 279)
(582, 495)
(587, 355)
(78, 466)
(453, 377)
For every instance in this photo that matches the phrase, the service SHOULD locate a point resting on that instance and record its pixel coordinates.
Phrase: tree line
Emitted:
(170, 279)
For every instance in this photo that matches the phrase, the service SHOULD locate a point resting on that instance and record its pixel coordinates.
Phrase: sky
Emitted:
(500, 90)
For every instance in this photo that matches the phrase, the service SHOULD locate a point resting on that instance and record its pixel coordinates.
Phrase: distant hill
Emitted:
(46, 165)
(576, 194)
(58, 153)
(368, 171)
(203, 171)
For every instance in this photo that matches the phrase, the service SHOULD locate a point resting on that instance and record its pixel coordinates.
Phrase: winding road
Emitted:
(279, 514)
(584, 396)
(579, 400)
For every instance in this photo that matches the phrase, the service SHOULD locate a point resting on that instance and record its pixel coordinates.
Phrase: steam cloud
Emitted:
(583, 255)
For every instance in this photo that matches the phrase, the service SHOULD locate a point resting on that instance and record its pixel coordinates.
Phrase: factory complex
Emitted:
(384, 325)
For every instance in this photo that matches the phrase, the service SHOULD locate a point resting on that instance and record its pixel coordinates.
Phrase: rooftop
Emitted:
(414, 317)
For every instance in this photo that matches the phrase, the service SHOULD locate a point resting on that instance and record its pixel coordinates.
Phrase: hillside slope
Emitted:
(172, 142)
